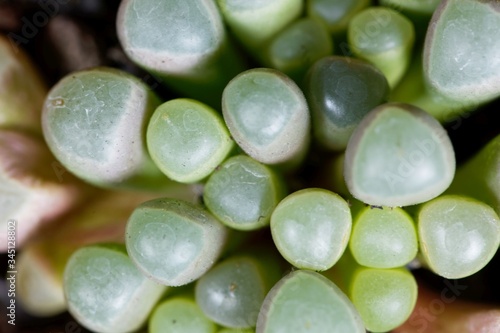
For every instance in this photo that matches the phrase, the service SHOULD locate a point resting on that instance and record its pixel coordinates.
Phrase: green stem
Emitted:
(414, 89)
(297, 47)
(480, 176)
(256, 22)
(385, 38)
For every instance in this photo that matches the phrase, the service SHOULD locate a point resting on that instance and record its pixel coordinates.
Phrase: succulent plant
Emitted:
(278, 140)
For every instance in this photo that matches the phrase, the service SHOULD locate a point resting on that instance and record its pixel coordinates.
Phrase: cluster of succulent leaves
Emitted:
(242, 135)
